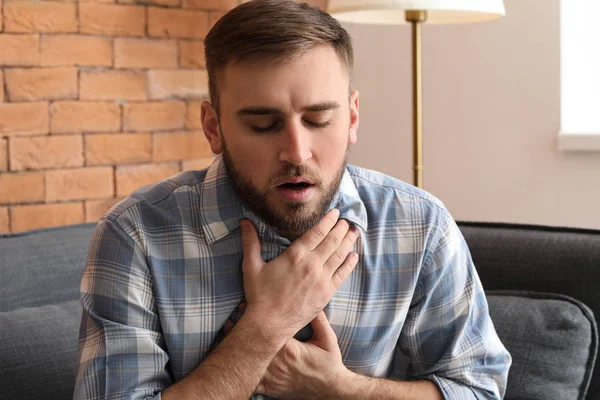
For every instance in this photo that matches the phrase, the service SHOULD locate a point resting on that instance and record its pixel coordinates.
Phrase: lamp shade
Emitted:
(391, 12)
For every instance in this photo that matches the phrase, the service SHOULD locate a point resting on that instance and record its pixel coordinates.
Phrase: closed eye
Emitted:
(275, 126)
(318, 124)
(262, 129)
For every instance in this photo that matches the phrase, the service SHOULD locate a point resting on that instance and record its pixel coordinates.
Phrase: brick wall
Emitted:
(97, 98)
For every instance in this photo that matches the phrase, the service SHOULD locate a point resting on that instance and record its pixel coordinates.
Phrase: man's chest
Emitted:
(196, 295)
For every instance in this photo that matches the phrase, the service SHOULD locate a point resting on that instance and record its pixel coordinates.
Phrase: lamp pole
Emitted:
(416, 19)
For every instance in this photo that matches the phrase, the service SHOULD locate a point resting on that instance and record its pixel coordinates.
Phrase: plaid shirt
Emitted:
(164, 274)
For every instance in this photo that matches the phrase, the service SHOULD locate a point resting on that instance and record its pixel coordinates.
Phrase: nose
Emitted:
(296, 144)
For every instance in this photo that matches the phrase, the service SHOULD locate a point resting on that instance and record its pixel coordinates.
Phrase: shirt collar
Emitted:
(222, 209)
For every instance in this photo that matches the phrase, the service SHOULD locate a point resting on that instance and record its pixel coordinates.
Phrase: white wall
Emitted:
(491, 117)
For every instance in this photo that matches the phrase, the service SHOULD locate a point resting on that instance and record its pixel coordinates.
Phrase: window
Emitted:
(580, 75)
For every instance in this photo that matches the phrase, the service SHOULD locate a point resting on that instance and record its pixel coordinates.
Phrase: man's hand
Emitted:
(289, 291)
(306, 370)
(314, 369)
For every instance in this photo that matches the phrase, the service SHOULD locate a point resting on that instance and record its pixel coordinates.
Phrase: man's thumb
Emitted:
(250, 243)
(323, 332)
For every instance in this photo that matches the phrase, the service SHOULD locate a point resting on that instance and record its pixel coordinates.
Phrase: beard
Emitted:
(290, 219)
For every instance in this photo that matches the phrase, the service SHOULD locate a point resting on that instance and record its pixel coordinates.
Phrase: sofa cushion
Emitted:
(43, 266)
(553, 340)
(38, 351)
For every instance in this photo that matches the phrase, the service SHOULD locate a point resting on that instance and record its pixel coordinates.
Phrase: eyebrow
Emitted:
(324, 106)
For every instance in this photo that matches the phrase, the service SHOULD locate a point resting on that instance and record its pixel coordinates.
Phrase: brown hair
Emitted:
(272, 30)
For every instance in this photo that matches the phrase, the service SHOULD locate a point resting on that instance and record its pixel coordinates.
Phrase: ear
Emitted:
(352, 137)
(210, 125)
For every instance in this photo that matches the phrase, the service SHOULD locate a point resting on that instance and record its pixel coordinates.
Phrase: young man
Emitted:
(279, 220)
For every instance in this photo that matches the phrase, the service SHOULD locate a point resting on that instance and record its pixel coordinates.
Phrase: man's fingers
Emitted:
(251, 245)
(343, 272)
(333, 240)
(315, 236)
(337, 250)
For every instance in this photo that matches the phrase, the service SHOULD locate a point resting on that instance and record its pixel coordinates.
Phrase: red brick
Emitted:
(181, 84)
(3, 154)
(98, 1)
(145, 53)
(42, 152)
(197, 163)
(168, 3)
(1, 17)
(89, 116)
(26, 84)
(23, 118)
(69, 50)
(24, 218)
(27, 187)
(193, 111)
(117, 148)
(130, 178)
(4, 221)
(113, 85)
(191, 54)
(153, 116)
(213, 17)
(180, 146)
(96, 209)
(164, 22)
(108, 19)
(224, 5)
(19, 50)
(79, 184)
(39, 16)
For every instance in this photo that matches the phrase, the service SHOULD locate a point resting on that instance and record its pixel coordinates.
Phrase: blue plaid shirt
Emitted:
(164, 274)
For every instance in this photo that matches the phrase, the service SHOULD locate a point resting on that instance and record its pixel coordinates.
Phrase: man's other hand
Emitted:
(306, 370)
(290, 290)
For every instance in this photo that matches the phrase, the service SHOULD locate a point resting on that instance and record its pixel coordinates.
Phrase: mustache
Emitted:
(291, 170)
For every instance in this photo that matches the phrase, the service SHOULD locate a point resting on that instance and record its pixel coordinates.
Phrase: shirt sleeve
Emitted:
(448, 334)
(121, 348)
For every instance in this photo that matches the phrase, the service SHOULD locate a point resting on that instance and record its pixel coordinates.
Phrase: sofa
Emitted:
(542, 285)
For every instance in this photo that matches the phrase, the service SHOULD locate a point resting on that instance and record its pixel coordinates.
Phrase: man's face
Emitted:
(284, 133)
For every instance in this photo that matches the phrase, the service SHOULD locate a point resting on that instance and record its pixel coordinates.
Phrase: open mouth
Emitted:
(295, 186)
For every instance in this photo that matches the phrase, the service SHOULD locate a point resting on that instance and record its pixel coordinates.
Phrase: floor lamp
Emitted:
(416, 12)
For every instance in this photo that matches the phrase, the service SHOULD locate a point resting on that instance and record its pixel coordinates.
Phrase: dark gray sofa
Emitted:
(542, 284)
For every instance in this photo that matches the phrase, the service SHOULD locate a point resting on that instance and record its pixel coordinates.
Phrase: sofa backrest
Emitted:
(43, 267)
(41, 271)
(539, 259)
(40, 311)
